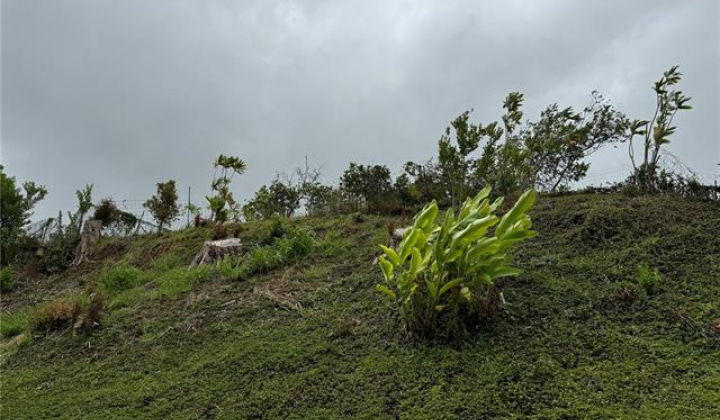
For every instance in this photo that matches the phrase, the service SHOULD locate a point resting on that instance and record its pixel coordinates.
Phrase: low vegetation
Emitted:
(611, 311)
(313, 338)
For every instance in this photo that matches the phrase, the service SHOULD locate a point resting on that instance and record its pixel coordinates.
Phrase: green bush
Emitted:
(7, 278)
(119, 279)
(647, 278)
(443, 274)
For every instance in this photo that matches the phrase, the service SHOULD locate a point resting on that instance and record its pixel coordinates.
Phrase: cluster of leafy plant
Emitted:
(656, 132)
(648, 278)
(222, 203)
(444, 275)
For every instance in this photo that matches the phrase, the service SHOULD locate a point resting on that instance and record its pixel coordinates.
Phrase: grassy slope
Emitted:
(314, 340)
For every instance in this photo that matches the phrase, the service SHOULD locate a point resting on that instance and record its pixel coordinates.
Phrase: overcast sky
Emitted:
(124, 94)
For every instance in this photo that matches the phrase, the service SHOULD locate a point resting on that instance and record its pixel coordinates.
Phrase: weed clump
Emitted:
(12, 324)
(56, 315)
(120, 278)
(647, 278)
(80, 312)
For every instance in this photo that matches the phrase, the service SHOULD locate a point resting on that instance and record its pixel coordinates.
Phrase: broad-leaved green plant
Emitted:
(444, 271)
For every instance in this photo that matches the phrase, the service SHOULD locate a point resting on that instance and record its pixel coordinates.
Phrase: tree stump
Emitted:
(89, 237)
(213, 251)
(397, 236)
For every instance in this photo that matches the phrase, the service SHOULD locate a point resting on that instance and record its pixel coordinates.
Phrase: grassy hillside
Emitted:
(311, 338)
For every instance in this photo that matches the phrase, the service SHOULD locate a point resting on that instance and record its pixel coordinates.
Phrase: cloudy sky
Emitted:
(124, 94)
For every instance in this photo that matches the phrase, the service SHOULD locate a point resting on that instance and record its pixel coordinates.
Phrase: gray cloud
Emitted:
(126, 94)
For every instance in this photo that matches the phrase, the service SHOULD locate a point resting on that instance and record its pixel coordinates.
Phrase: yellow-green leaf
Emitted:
(384, 289)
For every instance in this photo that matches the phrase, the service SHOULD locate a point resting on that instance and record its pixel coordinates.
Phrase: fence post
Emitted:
(188, 208)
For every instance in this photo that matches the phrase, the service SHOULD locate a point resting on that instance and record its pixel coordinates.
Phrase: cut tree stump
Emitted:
(90, 235)
(213, 251)
(397, 236)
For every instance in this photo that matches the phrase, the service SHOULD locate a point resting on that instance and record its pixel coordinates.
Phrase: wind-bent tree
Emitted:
(545, 155)
(558, 143)
(656, 132)
(163, 205)
(222, 204)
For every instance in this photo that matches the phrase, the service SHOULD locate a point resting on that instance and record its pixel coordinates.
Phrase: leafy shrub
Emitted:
(279, 199)
(112, 218)
(7, 278)
(12, 324)
(443, 274)
(120, 278)
(163, 205)
(647, 278)
(106, 211)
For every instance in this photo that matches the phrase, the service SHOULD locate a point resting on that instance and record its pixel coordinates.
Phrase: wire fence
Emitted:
(142, 221)
(44, 229)
(185, 219)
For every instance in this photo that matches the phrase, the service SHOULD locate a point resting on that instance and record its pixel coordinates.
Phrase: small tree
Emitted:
(84, 197)
(454, 158)
(656, 132)
(279, 199)
(16, 208)
(223, 205)
(163, 205)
